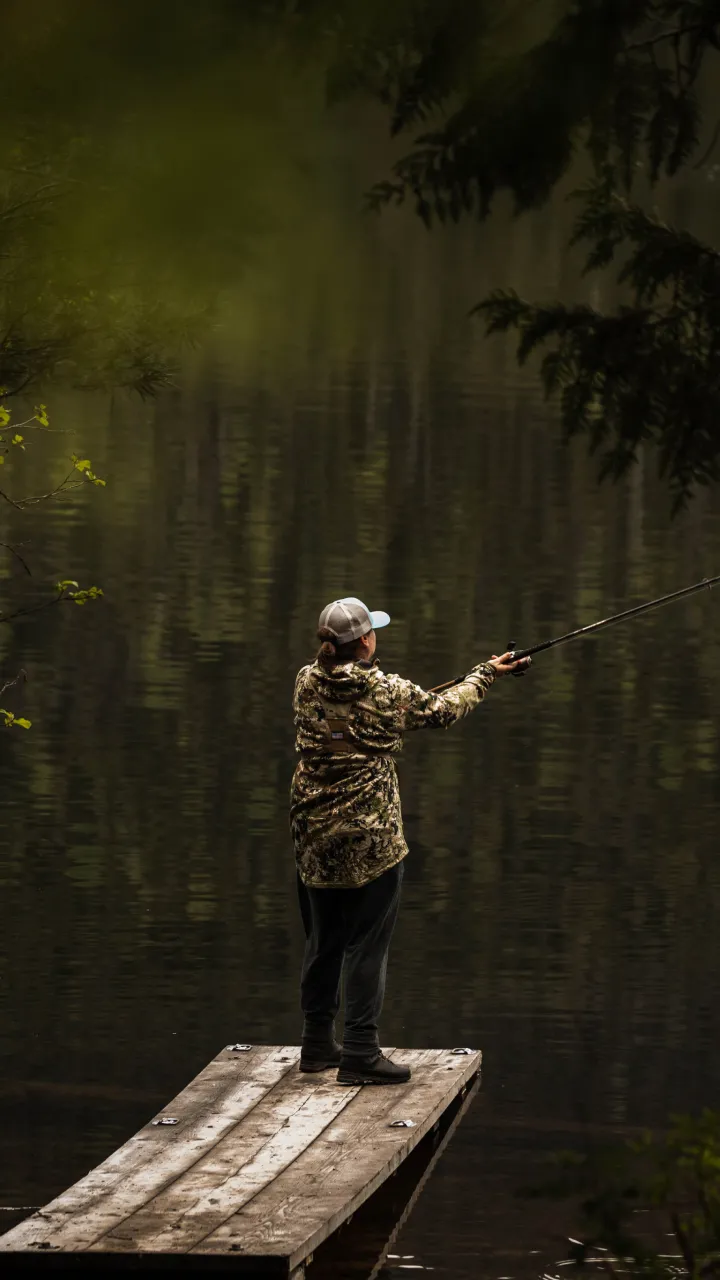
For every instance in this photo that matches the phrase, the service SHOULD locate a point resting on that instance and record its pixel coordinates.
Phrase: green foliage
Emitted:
(614, 77)
(77, 596)
(40, 420)
(12, 721)
(651, 372)
(505, 97)
(68, 588)
(139, 178)
(410, 54)
(16, 440)
(618, 80)
(83, 466)
(88, 331)
(675, 1177)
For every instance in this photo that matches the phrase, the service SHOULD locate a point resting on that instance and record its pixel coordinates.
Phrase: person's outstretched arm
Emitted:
(421, 709)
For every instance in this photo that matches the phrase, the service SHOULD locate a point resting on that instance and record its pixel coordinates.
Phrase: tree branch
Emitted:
(9, 547)
(12, 501)
(684, 1243)
(21, 675)
(710, 148)
(36, 608)
(679, 66)
(38, 197)
(671, 34)
(67, 483)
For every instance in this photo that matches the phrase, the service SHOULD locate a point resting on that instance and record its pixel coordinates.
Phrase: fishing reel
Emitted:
(512, 645)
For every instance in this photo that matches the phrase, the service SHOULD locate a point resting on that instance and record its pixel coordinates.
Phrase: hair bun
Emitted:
(331, 652)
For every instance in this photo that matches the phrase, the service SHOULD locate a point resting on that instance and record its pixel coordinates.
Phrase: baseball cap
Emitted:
(349, 618)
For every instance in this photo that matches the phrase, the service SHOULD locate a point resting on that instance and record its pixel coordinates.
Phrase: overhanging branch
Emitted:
(673, 33)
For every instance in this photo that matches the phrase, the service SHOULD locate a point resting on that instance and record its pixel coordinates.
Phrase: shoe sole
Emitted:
(317, 1066)
(350, 1080)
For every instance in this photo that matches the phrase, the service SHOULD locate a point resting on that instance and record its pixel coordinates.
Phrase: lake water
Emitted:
(346, 431)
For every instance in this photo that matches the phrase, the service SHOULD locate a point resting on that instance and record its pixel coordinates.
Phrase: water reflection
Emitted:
(561, 902)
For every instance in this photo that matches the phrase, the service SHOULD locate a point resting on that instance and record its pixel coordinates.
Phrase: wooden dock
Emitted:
(254, 1165)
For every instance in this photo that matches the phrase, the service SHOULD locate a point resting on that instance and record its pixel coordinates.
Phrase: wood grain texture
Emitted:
(265, 1162)
(346, 1163)
(214, 1102)
(251, 1156)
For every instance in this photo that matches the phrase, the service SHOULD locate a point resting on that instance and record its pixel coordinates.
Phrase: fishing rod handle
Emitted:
(515, 655)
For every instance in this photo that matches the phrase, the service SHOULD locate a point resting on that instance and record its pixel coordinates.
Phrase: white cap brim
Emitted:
(379, 618)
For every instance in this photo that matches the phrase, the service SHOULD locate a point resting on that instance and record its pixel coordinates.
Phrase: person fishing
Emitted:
(347, 829)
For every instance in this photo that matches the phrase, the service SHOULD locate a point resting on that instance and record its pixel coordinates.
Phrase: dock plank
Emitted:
(214, 1102)
(244, 1162)
(346, 1164)
(264, 1164)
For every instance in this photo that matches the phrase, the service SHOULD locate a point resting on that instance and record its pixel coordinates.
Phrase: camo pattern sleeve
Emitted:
(417, 708)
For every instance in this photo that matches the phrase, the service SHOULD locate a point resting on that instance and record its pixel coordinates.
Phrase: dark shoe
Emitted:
(377, 1070)
(320, 1057)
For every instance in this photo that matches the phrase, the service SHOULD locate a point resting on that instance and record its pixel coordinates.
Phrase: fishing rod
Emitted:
(517, 654)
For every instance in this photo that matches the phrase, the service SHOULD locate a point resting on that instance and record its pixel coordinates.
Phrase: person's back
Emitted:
(347, 829)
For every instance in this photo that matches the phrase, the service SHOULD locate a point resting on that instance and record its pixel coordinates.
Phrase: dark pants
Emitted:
(347, 930)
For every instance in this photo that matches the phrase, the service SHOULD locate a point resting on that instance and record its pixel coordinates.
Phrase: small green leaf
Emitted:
(11, 719)
(83, 465)
(4, 416)
(41, 415)
(18, 439)
(88, 593)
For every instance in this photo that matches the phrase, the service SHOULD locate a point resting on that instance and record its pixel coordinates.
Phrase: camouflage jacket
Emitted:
(345, 815)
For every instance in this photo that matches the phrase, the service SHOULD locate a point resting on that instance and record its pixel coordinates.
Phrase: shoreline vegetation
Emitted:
(650, 1207)
(13, 438)
(141, 175)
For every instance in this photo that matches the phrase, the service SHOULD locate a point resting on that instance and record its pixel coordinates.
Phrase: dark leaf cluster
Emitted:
(618, 80)
(650, 372)
(617, 77)
(671, 1182)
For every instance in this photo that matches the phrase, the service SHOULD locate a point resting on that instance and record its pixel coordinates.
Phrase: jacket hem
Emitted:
(351, 884)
